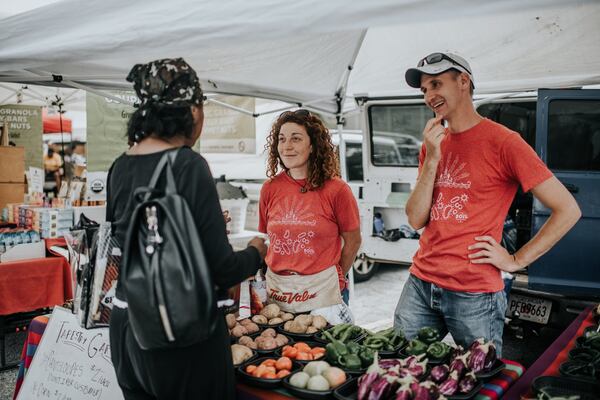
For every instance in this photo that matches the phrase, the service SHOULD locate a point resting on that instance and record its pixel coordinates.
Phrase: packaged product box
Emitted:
(12, 164)
(12, 193)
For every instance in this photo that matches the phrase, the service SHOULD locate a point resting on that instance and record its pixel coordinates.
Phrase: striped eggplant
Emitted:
(467, 383)
(450, 385)
(439, 373)
(460, 364)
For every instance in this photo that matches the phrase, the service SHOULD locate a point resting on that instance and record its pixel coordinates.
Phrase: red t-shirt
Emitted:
(476, 181)
(304, 228)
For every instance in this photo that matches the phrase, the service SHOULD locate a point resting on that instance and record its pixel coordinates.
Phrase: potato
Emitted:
(247, 341)
(239, 331)
(319, 322)
(286, 326)
(252, 327)
(271, 311)
(230, 319)
(270, 332)
(240, 353)
(267, 344)
(245, 322)
(311, 329)
(297, 327)
(281, 340)
(260, 319)
(304, 319)
(287, 316)
(275, 321)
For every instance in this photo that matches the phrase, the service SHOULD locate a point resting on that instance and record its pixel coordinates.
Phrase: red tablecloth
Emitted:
(31, 284)
(558, 352)
(34, 335)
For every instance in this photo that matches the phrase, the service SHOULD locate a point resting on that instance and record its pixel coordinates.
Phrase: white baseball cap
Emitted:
(435, 64)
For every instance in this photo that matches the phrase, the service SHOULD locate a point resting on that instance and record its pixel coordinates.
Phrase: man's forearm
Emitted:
(559, 223)
(419, 202)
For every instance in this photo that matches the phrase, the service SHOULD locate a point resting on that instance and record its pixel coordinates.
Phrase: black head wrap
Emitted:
(169, 82)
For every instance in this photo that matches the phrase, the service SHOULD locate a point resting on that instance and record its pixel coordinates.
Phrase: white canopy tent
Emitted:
(313, 52)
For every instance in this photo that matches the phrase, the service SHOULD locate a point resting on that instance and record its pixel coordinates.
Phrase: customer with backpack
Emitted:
(169, 121)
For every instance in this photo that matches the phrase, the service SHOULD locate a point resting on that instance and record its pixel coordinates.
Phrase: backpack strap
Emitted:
(166, 163)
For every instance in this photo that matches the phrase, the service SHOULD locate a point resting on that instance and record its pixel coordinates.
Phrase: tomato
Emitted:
(283, 363)
(301, 346)
(283, 373)
(316, 356)
(269, 375)
(304, 355)
(291, 352)
(269, 363)
(316, 350)
(250, 368)
(260, 370)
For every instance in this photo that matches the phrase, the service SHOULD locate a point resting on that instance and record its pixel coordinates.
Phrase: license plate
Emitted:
(530, 308)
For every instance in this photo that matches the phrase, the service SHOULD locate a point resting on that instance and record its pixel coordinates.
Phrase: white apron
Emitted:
(317, 293)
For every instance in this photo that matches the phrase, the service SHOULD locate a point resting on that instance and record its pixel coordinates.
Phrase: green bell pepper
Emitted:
(416, 347)
(438, 350)
(353, 347)
(351, 361)
(428, 335)
(367, 356)
(335, 351)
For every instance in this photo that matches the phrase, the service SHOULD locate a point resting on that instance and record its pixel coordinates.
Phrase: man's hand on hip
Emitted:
(491, 252)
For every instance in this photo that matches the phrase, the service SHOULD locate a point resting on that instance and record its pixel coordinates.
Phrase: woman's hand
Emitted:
(493, 253)
(227, 219)
(259, 244)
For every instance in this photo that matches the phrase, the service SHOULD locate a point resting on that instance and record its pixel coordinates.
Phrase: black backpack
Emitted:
(166, 279)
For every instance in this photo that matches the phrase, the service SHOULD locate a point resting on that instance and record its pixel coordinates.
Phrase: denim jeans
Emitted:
(466, 315)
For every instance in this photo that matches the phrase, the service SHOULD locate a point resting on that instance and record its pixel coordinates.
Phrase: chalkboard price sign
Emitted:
(71, 363)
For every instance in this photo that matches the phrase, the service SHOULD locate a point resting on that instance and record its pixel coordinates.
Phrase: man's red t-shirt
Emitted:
(476, 181)
(304, 228)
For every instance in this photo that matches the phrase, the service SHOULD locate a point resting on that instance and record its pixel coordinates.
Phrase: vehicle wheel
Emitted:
(364, 268)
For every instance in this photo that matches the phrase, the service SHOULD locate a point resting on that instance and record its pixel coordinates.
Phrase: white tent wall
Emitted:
(300, 51)
(517, 51)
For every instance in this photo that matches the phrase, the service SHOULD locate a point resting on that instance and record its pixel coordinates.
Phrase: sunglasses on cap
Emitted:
(435, 58)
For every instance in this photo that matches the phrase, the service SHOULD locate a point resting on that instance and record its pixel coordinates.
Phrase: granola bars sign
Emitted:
(25, 129)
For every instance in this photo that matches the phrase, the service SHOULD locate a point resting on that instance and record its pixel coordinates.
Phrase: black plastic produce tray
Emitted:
(559, 386)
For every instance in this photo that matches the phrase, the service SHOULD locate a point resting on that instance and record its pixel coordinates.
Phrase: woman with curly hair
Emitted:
(311, 218)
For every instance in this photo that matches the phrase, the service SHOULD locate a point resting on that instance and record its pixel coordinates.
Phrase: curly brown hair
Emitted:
(323, 160)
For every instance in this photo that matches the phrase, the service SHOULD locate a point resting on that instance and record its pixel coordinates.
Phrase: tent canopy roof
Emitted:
(303, 52)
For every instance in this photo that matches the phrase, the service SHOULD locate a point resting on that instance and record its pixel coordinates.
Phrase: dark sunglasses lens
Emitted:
(434, 58)
(302, 112)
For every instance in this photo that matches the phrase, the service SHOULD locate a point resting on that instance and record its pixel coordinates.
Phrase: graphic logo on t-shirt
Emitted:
(293, 213)
(452, 174)
(453, 209)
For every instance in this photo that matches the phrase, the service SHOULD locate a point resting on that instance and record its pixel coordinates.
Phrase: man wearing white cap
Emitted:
(469, 172)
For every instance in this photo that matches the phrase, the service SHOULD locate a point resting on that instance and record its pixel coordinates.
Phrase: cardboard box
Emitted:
(24, 251)
(11, 193)
(12, 164)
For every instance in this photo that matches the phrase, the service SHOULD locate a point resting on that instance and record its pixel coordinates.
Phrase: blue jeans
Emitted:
(466, 315)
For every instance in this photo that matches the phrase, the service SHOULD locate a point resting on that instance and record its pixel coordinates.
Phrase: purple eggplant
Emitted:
(418, 369)
(419, 392)
(450, 385)
(459, 364)
(364, 384)
(477, 359)
(491, 357)
(389, 363)
(434, 390)
(477, 342)
(404, 393)
(380, 389)
(411, 361)
(467, 383)
(439, 373)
